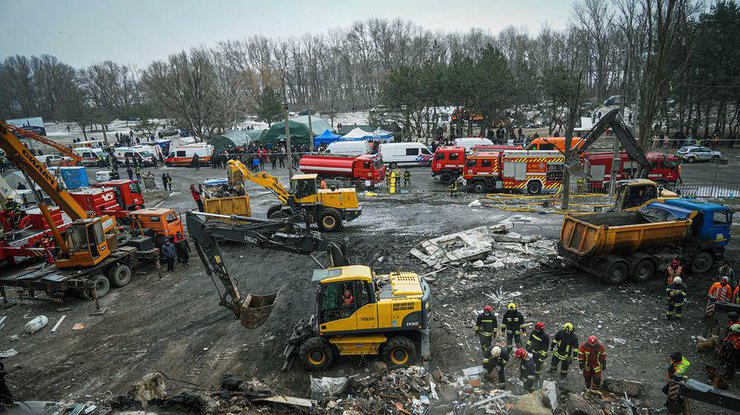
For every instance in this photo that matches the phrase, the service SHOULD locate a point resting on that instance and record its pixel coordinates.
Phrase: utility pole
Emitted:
(616, 159)
(288, 151)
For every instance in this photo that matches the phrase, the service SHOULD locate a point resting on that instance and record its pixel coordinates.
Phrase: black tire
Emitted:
(273, 210)
(715, 159)
(120, 275)
(446, 177)
(392, 165)
(480, 187)
(617, 272)
(644, 270)
(690, 160)
(702, 262)
(534, 187)
(102, 287)
(399, 351)
(329, 220)
(316, 354)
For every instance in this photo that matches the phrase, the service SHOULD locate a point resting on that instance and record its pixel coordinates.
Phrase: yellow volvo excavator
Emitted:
(328, 208)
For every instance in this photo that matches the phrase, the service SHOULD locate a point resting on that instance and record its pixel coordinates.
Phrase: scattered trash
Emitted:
(474, 203)
(59, 322)
(8, 353)
(326, 387)
(78, 326)
(36, 324)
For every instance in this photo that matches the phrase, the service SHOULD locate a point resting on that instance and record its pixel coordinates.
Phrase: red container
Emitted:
(37, 218)
(96, 199)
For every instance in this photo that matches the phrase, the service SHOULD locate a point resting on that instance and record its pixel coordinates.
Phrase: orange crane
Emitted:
(73, 159)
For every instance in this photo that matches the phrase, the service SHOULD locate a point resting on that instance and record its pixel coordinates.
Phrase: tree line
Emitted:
(674, 61)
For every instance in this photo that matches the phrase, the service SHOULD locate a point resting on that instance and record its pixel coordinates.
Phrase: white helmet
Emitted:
(496, 351)
(678, 280)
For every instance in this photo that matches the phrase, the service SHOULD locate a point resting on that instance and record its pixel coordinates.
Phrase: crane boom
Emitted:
(23, 159)
(612, 119)
(65, 151)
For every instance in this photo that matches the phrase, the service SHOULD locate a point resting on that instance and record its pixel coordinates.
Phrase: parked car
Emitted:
(691, 154)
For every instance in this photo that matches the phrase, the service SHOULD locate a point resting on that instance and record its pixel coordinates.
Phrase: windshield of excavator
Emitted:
(77, 238)
(303, 188)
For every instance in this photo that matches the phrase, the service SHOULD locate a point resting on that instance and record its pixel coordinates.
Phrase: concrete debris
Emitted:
(326, 387)
(622, 386)
(474, 203)
(576, 405)
(8, 353)
(531, 404)
(492, 247)
(149, 388)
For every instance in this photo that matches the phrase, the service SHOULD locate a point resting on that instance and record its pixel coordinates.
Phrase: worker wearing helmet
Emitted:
(496, 357)
(513, 325)
(592, 361)
(674, 270)
(537, 344)
(564, 348)
(527, 368)
(485, 327)
(718, 292)
(732, 319)
(676, 298)
(679, 365)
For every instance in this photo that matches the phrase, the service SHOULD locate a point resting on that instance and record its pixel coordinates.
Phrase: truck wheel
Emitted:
(644, 270)
(480, 187)
(446, 178)
(273, 210)
(617, 272)
(316, 354)
(534, 187)
(120, 275)
(102, 287)
(329, 220)
(702, 263)
(399, 351)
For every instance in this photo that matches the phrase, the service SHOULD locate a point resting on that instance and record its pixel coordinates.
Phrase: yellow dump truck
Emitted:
(635, 244)
(222, 197)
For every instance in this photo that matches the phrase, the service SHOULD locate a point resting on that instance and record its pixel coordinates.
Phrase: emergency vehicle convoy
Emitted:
(358, 169)
(533, 172)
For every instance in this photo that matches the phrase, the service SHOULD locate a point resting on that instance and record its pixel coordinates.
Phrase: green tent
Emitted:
(235, 138)
(298, 127)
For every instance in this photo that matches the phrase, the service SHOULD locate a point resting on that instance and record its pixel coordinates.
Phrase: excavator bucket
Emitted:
(255, 309)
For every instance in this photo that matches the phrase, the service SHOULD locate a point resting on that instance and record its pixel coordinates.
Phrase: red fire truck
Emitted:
(128, 193)
(448, 162)
(356, 168)
(99, 200)
(598, 167)
(533, 172)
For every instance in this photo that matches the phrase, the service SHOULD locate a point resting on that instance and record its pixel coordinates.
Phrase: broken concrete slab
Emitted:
(531, 404)
(501, 227)
(150, 387)
(577, 405)
(622, 386)
(326, 387)
(550, 391)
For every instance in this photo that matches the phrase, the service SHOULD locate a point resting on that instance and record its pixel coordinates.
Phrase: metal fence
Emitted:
(709, 190)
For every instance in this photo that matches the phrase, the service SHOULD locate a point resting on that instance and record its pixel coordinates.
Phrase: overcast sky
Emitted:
(82, 32)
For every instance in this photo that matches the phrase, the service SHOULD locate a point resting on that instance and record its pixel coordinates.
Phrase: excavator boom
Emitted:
(612, 119)
(237, 170)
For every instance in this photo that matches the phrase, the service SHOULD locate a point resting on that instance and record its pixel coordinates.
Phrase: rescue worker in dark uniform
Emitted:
(676, 298)
(485, 328)
(527, 370)
(406, 179)
(537, 344)
(513, 325)
(564, 348)
(496, 358)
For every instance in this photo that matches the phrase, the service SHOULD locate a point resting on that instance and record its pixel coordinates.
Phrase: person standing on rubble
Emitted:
(496, 358)
(182, 249)
(527, 370)
(197, 197)
(485, 327)
(537, 344)
(679, 364)
(727, 271)
(592, 361)
(513, 325)
(674, 270)
(676, 298)
(564, 348)
(168, 253)
(718, 292)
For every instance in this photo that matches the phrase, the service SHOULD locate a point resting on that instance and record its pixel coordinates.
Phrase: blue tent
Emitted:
(326, 137)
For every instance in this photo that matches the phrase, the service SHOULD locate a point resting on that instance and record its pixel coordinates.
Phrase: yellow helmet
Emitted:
(568, 327)
(511, 306)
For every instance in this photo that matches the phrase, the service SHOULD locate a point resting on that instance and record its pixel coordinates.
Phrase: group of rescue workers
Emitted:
(564, 346)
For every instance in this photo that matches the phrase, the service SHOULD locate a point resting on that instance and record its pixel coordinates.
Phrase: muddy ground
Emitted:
(174, 324)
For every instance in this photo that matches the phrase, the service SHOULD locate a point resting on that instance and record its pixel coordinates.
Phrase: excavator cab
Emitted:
(303, 186)
(634, 193)
(87, 244)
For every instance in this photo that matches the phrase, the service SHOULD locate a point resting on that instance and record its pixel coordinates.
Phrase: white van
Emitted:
(352, 148)
(470, 142)
(145, 156)
(94, 157)
(183, 155)
(406, 154)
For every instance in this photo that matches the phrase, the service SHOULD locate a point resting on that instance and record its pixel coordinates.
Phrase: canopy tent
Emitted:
(235, 138)
(357, 134)
(382, 135)
(326, 137)
(298, 129)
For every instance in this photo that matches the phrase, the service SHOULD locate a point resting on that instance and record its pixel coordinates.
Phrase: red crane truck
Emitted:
(358, 169)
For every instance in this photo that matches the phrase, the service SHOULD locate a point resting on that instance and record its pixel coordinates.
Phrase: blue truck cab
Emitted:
(711, 226)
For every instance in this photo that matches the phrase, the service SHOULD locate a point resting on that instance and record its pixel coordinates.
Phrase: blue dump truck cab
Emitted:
(711, 225)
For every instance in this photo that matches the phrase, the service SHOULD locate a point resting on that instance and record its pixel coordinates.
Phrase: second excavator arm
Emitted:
(63, 150)
(239, 173)
(612, 120)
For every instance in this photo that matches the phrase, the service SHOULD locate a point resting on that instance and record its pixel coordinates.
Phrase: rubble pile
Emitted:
(494, 247)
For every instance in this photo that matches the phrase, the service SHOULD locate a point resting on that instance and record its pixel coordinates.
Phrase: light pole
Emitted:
(288, 151)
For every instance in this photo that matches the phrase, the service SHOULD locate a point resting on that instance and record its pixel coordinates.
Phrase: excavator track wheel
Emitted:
(329, 220)
(119, 275)
(399, 351)
(316, 354)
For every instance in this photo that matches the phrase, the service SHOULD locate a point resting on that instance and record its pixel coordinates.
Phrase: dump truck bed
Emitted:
(598, 235)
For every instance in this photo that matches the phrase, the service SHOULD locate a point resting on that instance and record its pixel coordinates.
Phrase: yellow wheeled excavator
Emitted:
(327, 208)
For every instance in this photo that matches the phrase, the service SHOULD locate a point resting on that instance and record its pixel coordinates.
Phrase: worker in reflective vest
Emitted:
(537, 344)
(592, 361)
(564, 348)
(485, 328)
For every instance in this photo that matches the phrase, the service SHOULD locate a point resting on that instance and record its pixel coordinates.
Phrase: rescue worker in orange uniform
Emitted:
(674, 270)
(592, 361)
(730, 350)
(718, 292)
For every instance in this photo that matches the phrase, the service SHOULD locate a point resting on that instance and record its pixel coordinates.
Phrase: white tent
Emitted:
(357, 134)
